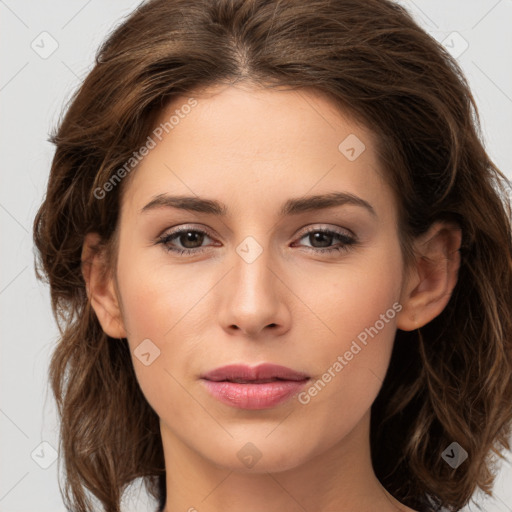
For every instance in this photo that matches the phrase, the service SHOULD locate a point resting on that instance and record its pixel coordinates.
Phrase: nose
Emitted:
(252, 298)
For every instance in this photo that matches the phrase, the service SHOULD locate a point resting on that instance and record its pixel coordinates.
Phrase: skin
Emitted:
(253, 149)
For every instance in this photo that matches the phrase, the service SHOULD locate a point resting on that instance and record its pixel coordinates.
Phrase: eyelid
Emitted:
(335, 229)
(183, 227)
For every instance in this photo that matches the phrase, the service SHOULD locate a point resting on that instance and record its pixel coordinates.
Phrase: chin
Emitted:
(260, 456)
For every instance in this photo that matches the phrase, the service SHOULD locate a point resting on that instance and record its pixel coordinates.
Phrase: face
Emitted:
(311, 286)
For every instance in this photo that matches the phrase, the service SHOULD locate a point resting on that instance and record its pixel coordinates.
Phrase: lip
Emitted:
(260, 387)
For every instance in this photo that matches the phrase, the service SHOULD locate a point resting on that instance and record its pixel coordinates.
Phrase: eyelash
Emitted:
(346, 241)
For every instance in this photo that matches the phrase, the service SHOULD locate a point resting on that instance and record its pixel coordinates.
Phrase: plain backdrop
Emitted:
(47, 49)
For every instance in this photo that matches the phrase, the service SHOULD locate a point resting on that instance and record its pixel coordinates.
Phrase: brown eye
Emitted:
(321, 240)
(188, 241)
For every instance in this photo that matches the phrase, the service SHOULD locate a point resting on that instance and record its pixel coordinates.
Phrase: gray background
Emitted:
(34, 87)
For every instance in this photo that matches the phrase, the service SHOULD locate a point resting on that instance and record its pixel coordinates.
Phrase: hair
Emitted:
(450, 381)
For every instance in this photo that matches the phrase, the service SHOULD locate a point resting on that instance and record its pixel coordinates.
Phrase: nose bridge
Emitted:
(252, 276)
(251, 299)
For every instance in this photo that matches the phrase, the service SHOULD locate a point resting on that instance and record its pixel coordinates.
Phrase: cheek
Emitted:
(347, 298)
(358, 312)
(156, 297)
(165, 305)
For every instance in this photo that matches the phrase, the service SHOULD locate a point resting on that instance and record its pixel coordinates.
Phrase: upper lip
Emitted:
(262, 372)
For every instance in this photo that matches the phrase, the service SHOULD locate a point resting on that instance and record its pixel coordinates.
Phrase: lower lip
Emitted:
(254, 396)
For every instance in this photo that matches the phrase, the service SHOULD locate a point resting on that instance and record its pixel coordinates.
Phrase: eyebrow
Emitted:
(292, 206)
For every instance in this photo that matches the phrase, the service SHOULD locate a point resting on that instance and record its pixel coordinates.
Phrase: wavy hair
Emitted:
(450, 381)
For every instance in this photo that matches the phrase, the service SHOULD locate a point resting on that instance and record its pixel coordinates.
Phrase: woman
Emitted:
(281, 262)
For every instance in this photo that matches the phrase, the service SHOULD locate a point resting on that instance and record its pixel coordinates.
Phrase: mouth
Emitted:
(262, 373)
(261, 387)
(256, 381)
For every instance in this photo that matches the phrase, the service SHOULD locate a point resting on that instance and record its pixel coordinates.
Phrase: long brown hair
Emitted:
(450, 381)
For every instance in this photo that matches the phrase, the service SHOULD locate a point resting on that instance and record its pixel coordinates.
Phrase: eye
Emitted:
(324, 238)
(190, 240)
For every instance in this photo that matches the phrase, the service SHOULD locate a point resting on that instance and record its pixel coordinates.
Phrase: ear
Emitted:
(429, 284)
(100, 287)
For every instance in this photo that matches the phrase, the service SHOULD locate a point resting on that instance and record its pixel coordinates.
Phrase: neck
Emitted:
(340, 479)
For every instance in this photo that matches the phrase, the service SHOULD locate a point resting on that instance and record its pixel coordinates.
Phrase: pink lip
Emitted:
(260, 387)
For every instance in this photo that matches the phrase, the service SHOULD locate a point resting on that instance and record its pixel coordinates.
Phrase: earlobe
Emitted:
(100, 287)
(430, 284)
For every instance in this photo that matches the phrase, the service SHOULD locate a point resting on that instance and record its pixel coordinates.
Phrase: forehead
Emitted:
(269, 121)
(230, 142)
